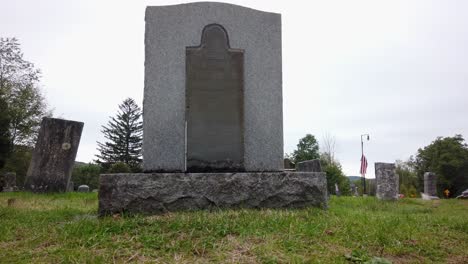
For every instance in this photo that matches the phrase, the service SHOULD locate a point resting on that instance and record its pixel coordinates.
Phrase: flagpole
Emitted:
(362, 156)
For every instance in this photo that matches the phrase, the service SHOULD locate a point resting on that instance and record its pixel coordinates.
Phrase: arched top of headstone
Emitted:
(215, 37)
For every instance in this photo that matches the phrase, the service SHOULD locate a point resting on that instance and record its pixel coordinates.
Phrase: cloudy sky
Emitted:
(397, 70)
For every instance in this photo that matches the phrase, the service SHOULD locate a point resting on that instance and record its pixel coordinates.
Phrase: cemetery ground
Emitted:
(64, 228)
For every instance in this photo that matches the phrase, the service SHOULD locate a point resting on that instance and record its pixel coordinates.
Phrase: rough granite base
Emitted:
(156, 193)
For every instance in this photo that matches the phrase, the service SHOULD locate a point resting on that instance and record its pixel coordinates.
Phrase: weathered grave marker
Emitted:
(9, 180)
(54, 155)
(430, 183)
(387, 181)
(83, 188)
(309, 165)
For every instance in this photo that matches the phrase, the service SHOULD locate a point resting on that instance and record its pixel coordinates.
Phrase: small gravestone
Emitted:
(309, 165)
(71, 186)
(53, 156)
(354, 190)
(337, 190)
(288, 164)
(387, 181)
(430, 184)
(463, 195)
(10, 182)
(83, 188)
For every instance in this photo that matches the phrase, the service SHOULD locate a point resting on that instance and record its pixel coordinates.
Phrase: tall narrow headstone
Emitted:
(54, 155)
(387, 181)
(430, 183)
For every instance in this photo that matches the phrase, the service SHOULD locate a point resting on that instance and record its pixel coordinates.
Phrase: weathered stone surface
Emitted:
(354, 189)
(169, 30)
(463, 195)
(309, 165)
(387, 181)
(83, 188)
(430, 183)
(9, 182)
(288, 164)
(71, 186)
(153, 193)
(54, 155)
(215, 104)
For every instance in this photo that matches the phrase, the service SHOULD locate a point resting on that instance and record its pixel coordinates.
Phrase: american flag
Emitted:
(363, 165)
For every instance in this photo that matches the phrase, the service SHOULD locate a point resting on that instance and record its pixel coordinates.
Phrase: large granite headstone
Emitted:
(172, 33)
(54, 155)
(430, 183)
(212, 110)
(387, 181)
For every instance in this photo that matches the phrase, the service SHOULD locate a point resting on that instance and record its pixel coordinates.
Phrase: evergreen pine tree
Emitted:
(124, 134)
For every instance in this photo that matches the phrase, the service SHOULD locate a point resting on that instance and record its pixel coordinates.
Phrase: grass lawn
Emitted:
(64, 228)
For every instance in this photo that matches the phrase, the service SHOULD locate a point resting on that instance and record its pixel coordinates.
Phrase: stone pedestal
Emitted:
(430, 183)
(387, 181)
(153, 193)
(53, 156)
(309, 165)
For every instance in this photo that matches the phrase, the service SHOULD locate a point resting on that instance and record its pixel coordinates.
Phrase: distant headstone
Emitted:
(430, 184)
(355, 191)
(309, 165)
(337, 190)
(387, 181)
(53, 156)
(83, 188)
(288, 164)
(10, 182)
(463, 195)
(71, 186)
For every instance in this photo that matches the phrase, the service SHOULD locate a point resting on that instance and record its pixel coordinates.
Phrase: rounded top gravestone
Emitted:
(170, 32)
(83, 188)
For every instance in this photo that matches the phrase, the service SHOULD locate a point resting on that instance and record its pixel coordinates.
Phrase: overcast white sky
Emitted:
(397, 70)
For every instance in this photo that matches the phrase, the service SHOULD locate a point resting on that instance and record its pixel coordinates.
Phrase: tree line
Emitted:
(447, 157)
(22, 107)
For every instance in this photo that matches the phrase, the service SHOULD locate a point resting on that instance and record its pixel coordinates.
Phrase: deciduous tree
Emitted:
(447, 157)
(19, 82)
(307, 149)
